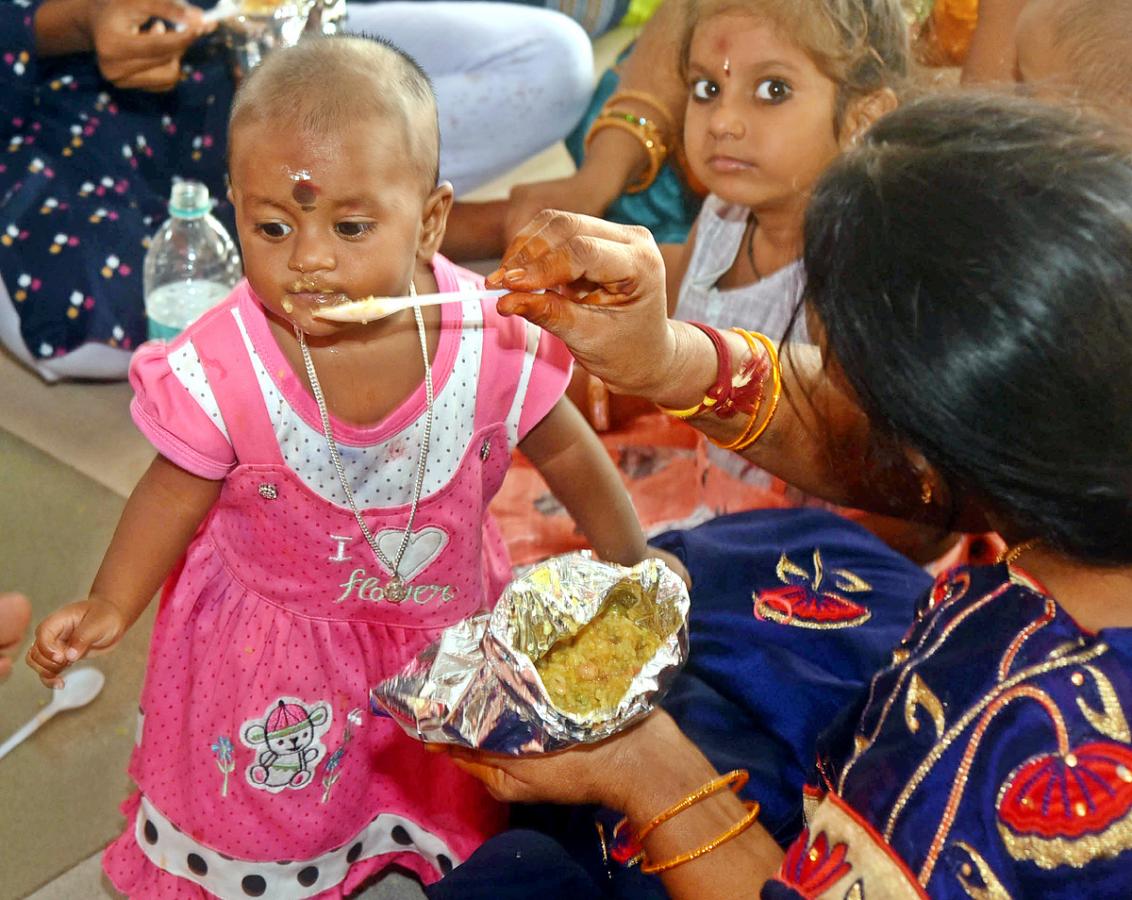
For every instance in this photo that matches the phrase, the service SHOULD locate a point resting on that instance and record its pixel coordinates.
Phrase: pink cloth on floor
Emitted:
(261, 770)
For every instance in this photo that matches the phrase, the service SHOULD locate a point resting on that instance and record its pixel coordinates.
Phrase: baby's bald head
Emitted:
(321, 85)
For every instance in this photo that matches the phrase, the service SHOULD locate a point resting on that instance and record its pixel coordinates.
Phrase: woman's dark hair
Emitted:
(971, 265)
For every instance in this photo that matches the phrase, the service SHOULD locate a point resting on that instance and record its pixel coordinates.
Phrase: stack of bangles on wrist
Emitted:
(645, 130)
(739, 391)
(626, 846)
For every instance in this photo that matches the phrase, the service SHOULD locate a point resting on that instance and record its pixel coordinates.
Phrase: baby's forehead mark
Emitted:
(305, 192)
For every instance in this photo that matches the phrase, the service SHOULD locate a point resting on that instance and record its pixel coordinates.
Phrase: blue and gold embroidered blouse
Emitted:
(991, 759)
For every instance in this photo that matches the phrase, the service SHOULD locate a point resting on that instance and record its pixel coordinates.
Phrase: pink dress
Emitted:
(261, 771)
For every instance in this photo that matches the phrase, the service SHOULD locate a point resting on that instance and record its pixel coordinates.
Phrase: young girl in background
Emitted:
(320, 494)
(776, 91)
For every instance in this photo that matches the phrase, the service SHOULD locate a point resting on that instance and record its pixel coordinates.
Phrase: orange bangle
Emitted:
(750, 432)
(651, 868)
(644, 131)
(647, 99)
(734, 780)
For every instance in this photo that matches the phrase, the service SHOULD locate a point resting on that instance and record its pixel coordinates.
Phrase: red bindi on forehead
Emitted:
(722, 47)
(305, 192)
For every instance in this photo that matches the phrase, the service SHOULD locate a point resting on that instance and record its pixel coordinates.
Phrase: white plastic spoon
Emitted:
(370, 309)
(79, 688)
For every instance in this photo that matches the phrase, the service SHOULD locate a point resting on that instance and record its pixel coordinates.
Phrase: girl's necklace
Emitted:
(396, 588)
(752, 224)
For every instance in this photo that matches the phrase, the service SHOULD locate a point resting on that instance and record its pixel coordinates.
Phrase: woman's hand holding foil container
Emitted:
(479, 684)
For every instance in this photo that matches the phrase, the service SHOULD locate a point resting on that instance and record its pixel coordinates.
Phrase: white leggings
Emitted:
(510, 80)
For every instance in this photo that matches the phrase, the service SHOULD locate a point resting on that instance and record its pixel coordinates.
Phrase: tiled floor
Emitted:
(70, 456)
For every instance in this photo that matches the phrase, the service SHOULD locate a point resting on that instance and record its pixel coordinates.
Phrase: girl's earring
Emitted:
(926, 492)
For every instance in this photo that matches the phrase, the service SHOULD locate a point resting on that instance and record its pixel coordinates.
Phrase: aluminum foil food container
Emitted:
(477, 685)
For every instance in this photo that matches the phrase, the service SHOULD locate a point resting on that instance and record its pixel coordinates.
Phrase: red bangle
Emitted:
(721, 390)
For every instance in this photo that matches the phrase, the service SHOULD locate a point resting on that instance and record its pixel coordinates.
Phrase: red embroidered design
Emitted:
(1058, 809)
(949, 586)
(813, 870)
(812, 600)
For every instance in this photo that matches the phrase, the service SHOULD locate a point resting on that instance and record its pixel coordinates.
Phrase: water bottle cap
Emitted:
(189, 200)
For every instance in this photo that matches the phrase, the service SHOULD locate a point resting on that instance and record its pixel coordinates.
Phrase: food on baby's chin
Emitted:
(593, 669)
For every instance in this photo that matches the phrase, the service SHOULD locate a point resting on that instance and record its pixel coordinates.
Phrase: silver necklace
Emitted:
(396, 588)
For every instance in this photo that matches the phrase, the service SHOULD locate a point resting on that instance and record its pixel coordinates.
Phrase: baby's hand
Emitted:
(68, 634)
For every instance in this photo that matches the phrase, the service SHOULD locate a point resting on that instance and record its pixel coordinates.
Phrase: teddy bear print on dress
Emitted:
(288, 738)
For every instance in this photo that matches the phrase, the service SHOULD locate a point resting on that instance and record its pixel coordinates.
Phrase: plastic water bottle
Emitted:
(191, 263)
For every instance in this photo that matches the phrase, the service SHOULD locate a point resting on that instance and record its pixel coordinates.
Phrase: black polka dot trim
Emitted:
(169, 849)
(308, 876)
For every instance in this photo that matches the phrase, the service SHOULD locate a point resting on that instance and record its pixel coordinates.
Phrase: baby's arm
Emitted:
(158, 523)
(580, 473)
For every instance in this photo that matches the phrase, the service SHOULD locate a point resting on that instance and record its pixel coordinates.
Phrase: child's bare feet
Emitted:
(15, 613)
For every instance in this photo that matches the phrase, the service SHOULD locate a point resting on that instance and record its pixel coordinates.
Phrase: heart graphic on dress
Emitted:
(423, 548)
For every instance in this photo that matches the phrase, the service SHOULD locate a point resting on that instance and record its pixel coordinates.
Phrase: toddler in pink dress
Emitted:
(320, 495)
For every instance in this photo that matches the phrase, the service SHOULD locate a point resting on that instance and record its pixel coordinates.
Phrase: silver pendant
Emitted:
(395, 590)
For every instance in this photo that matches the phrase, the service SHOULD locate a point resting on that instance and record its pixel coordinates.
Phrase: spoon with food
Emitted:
(370, 309)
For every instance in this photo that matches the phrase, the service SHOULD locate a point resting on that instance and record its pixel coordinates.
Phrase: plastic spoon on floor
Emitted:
(79, 688)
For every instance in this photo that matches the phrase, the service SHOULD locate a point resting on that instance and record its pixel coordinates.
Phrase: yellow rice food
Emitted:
(593, 669)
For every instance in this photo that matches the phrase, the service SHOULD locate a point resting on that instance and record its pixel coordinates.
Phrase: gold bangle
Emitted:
(734, 780)
(703, 406)
(644, 131)
(750, 432)
(650, 868)
(647, 99)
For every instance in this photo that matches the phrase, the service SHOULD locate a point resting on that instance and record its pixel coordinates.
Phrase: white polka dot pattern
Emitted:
(383, 474)
(187, 369)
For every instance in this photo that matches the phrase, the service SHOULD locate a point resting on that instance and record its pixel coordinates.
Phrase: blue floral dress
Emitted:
(85, 172)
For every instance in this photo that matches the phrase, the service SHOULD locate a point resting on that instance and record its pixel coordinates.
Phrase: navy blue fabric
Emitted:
(755, 694)
(517, 865)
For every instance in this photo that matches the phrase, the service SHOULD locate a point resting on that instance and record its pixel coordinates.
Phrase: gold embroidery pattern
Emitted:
(1024, 635)
(812, 600)
(1110, 721)
(1068, 808)
(940, 640)
(1093, 803)
(991, 888)
(1049, 853)
(964, 771)
(921, 696)
(968, 717)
